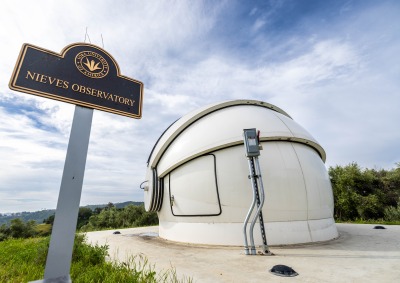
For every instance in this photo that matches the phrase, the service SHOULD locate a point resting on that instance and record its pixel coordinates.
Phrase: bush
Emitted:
(18, 229)
(129, 216)
(369, 207)
(91, 255)
(366, 194)
(392, 213)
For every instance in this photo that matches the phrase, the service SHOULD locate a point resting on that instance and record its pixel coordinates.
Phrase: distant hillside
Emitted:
(117, 205)
(39, 216)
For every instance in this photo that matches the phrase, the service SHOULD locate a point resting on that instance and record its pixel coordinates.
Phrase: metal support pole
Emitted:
(254, 185)
(252, 146)
(262, 201)
(59, 257)
(260, 195)
(246, 245)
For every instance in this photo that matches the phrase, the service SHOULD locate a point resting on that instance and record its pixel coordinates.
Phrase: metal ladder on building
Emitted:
(252, 146)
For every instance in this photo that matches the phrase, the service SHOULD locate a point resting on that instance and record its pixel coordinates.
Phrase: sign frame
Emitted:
(78, 85)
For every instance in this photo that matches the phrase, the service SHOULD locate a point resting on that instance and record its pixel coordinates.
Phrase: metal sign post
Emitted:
(62, 238)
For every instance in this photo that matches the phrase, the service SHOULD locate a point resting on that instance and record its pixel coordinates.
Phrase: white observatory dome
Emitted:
(197, 178)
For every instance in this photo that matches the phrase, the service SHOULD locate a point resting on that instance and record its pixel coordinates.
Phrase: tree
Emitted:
(83, 216)
(97, 210)
(4, 232)
(49, 220)
(19, 229)
(110, 205)
(345, 196)
(129, 216)
(392, 213)
(365, 194)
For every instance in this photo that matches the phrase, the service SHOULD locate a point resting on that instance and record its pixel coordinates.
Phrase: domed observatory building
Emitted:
(197, 178)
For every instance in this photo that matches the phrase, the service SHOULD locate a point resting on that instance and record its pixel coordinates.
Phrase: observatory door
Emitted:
(193, 188)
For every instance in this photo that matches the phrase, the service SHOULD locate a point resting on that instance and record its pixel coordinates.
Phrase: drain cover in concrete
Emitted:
(283, 270)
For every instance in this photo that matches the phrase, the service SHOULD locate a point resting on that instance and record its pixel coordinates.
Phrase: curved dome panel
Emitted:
(212, 130)
(180, 125)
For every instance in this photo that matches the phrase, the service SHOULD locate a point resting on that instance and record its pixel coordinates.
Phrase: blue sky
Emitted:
(332, 65)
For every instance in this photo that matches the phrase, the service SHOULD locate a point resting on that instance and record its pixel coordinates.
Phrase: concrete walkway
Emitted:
(360, 254)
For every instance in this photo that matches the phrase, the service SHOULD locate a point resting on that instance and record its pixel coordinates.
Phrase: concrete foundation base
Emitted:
(231, 234)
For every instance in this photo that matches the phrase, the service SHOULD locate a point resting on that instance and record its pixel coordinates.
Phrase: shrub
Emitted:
(392, 213)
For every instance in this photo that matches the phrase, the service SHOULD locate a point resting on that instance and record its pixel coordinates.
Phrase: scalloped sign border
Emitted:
(82, 74)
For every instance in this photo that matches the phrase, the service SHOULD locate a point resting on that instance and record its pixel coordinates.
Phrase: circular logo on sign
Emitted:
(91, 64)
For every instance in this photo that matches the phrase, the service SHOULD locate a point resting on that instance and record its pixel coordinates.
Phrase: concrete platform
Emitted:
(360, 254)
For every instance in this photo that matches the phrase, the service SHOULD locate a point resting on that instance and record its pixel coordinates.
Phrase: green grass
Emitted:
(23, 260)
(43, 229)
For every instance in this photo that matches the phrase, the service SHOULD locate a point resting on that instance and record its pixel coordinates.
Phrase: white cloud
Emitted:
(339, 80)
